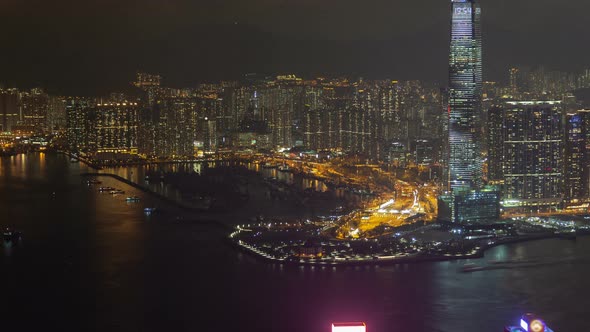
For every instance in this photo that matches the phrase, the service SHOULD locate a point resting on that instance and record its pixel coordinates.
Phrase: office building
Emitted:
(470, 206)
(466, 201)
(465, 94)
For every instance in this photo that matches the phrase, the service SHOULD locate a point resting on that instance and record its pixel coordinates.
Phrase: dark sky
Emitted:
(94, 46)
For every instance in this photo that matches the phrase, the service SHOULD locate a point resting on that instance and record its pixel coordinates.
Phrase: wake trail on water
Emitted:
(528, 263)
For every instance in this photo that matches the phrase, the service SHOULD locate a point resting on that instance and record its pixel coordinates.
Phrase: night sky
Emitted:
(92, 46)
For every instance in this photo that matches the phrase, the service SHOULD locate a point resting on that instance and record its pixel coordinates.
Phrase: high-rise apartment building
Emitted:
(495, 143)
(56, 114)
(116, 125)
(210, 135)
(575, 151)
(577, 155)
(80, 132)
(533, 160)
(34, 106)
(9, 113)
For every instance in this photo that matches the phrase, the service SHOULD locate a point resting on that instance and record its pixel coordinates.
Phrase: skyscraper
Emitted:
(115, 125)
(575, 150)
(466, 200)
(533, 154)
(465, 95)
(495, 142)
(9, 115)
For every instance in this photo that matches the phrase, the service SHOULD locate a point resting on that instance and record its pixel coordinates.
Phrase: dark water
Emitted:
(260, 202)
(91, 262)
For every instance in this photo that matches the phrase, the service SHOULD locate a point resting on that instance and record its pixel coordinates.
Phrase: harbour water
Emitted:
(91, 261)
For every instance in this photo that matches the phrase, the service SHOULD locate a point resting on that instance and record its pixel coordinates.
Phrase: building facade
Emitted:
(533, 158)
(116, 127)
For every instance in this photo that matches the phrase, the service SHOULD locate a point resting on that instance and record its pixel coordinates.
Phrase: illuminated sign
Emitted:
(535, 325)
(466, 10)
(463, 10)
(349, 327)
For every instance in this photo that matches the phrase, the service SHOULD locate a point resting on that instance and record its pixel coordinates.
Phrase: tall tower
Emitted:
(465, 96)
(533, 154)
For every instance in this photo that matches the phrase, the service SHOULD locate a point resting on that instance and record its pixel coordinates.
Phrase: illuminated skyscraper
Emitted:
(210, 135)
(577, 154)
(465, 95)
(466, 201)
(115, 125)
(34, 105)
(80, 131)
(575, 150)
(532, 161)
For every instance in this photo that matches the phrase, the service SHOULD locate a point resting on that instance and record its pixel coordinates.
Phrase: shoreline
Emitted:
(82, 160)
(418, 258)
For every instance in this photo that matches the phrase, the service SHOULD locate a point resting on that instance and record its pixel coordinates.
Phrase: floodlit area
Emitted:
(407, 205)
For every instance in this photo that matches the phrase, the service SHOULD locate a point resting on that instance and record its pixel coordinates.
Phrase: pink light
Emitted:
(349, 327)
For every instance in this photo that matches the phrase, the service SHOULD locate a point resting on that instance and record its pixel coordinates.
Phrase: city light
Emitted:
(349, 327)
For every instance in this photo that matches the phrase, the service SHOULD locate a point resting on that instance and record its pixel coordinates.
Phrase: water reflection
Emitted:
(139, 174)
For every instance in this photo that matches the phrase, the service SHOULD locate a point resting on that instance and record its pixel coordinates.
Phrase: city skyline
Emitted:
(397, 40)
(295, 165)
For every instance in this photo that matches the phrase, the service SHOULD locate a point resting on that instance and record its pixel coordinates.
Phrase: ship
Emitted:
(93, 181)
(529, 323)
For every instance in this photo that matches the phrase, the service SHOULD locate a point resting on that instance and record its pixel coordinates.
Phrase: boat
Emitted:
(529, 322)
(566, 234)
(101, 189)
(73, 160)
(284, 168)
(116, 192)
(10, 235)
(93, 181)
(268, 165)
(132, 199)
